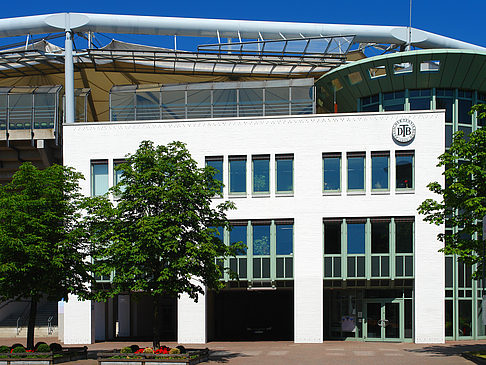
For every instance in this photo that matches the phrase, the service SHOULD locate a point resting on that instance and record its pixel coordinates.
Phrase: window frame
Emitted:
(332, 191)
(237, 158)
(380, 154)
(259, 158)
(354, 155)
(405, 153)
(278, 157)
(98, 162)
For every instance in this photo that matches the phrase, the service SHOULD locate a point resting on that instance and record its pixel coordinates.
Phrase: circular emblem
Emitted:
(403, 130)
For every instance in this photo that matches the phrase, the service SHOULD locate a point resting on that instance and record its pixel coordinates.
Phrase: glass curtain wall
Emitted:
(212, 100)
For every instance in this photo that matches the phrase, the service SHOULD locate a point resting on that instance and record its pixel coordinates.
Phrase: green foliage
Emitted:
(148, 350)
(42, 245)
(18, 349)
(126, 350)
(463, 203)
(174, 351)
(43, 347)
(157, 237)
(55, 347)
(4, 349)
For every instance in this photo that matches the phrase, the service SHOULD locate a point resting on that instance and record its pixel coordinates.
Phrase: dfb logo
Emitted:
(403, 131)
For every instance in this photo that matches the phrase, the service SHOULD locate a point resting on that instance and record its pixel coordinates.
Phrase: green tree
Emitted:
(43, 249)
(463, 203)
(157, 237)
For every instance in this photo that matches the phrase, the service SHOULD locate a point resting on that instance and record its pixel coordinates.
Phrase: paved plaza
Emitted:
(328, 353)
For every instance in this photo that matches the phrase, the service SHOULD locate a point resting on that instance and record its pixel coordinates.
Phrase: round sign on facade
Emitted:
(403, 130)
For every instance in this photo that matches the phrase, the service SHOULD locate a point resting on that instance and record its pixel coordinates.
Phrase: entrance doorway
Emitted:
(383, 320)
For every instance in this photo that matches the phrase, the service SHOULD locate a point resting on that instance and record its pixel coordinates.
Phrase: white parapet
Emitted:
(79, 324)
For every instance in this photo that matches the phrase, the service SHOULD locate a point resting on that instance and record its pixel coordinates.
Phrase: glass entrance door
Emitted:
(383, 320)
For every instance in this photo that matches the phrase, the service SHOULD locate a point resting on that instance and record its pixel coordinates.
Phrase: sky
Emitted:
(463, 20)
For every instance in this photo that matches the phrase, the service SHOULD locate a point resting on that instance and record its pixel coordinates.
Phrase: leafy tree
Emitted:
(157, 237)
(42, 246)
(463, 203)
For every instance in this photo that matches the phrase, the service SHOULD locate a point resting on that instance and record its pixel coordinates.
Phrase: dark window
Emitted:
(379, 237)
(217, 164)
(404, 237)
(332, 238)
(285, 239)
(238, 234)
(404, 170)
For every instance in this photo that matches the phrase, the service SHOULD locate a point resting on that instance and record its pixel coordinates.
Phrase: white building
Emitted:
(326, 203)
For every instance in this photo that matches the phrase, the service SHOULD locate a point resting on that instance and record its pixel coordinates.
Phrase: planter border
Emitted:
(150, 358)
(67, 354)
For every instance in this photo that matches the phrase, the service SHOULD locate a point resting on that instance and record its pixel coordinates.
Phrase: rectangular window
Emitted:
(285, 173)
(356, 171)
(332, 237)
(356, 238)
(237, 174)
(404, 170)
(285, 238)
(403, 236)
(117, 174)
(380, 162)
(331, 172)
(238, 235)
(261, 240)
(99, 177)
(216, 162)
(380, 236)
(261, 173)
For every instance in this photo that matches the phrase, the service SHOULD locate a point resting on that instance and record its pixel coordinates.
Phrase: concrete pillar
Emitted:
(123, 315)
(79, 326)
(191, 320)
(429, 284)
(308, 279)
(100, 320)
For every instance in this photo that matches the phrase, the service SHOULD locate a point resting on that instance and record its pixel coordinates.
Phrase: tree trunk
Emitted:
(155, 322)
(31, 326)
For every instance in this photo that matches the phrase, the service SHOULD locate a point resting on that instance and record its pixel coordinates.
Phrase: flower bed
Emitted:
(18, 357)
(153, 357)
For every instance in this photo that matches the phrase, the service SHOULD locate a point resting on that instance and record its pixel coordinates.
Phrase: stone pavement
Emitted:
(328, 353)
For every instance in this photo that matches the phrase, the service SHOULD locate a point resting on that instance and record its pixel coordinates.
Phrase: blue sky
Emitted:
(463, 20)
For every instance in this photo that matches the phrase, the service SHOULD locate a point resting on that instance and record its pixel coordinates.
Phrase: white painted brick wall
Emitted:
(307, 138)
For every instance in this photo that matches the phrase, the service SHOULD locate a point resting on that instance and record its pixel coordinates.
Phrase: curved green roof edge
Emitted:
(462, 69)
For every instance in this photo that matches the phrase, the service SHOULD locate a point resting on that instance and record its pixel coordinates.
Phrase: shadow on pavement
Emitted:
(223, 355)
(450, 350)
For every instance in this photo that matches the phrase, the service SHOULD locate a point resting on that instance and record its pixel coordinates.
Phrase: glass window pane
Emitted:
(238, 234)
(217, 164)
(20, 111)
(261, 175)
(332, 173)
(379, 172)
(465, 318)
(332, 238)
(419, 103)
(356, 238)
(118, 176)
(99, 178)
(380, 237)
(237, 176)
(404, 171)
(356, 172)
(44, 110)
(148, 107)
(261, 240)
(173, 104)
(463, 112)
(285, 239)
(224, 103)
(285, 175)
(302, 100)
(404, 237)
(251, 102)
(199, 103)
(122, 106)
(445, 103)
(449, 318)
(277, 101)
(219, 233)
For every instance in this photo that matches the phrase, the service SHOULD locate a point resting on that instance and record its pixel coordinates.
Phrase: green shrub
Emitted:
(43, 347)
(126, 350)
(148, 350)
(134, 348)
(55, 347)
(182, 349)
(18, 349)
(175, 350)
(4, 349)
